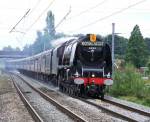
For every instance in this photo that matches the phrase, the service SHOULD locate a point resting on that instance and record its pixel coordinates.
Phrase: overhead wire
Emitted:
(58, 23)
(63, 18)
(25, 15)
(88, 9)
(110, 15)
(31, 11)
(35, 6)
(40, 15)
(19, 21)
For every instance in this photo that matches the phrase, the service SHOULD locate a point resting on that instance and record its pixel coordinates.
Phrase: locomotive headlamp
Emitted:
(93, 75)
(93, 38)
(108, 82)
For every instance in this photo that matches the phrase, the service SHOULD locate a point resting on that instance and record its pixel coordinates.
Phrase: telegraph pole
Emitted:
(113, 37)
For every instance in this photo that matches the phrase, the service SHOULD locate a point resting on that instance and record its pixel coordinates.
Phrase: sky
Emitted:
(86, 16)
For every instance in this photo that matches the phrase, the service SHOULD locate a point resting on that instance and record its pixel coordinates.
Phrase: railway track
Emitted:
(31, 110)
(51, 100)
(129, 113)
(123, 111)
(123, 105)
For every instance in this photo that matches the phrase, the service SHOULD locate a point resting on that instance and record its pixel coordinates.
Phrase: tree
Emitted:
(147, 41)
(120, 44)
(50, 24)
(38, 45)
(17, 49)
(136, 50)
(49, 30)
(28, 49)
(44, 37)
(8, 48)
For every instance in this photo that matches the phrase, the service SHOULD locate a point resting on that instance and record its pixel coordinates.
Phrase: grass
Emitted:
(129, 85)
(135, 100)
(5, 85)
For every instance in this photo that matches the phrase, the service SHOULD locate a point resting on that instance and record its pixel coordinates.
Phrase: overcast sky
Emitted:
(83, 14)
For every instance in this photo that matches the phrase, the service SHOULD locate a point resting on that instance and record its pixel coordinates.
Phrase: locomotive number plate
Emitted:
(92, 44)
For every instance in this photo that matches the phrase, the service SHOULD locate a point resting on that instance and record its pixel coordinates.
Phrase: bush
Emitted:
(128, 82)
(148, 65)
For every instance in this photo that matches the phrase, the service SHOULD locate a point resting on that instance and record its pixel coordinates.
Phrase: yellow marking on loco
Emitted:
(93, 38)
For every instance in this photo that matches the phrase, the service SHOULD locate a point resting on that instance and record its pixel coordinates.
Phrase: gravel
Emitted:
(134, 115)
(89, 112)
(46, 110)
(130, 104)
(10, 103)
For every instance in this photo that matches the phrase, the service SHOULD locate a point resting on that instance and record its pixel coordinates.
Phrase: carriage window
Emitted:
(48, 60)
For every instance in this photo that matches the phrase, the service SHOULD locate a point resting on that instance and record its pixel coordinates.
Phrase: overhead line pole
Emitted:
(19, 21)
(113, 38)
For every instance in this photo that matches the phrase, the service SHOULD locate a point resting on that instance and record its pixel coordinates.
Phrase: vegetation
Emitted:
(137, 52)
(147, 41)
(148, 65)
(42, 41)
(9, 48)
(44, 38)
(129, 85)
(128, 82)
(120, 45)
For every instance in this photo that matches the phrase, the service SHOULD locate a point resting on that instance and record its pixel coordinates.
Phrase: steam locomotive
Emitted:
(79, 66)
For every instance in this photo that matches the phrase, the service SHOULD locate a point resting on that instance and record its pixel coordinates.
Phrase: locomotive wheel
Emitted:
(74, 92)
(102, 96)
(71, 91)
(60, 87)
(64, 89)
(59, 82)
